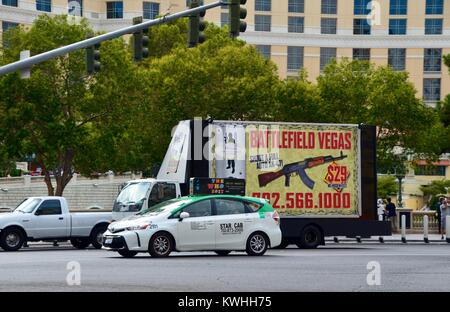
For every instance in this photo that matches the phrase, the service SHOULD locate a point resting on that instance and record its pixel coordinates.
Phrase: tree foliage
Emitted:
(386, 186)
(55, 113)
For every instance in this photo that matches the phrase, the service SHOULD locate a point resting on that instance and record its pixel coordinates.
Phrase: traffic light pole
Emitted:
(39, 58)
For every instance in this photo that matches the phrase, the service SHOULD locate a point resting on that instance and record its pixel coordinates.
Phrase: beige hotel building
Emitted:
(409, 35)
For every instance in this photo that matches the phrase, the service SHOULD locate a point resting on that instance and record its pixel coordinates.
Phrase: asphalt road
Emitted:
(336, 267)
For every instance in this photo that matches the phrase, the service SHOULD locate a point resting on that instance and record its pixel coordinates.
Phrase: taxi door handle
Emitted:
(210, 222)
(248, 220)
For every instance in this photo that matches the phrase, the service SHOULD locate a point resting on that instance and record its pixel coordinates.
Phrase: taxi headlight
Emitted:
(137, 227)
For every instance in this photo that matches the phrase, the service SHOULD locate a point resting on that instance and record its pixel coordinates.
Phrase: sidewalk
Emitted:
(395, 238)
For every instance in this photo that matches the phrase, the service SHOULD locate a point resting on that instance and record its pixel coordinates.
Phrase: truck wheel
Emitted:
(257, 244)
(283, 245)
(311, 237)
(12, 239)
(96, 237)
(160, 245)
(80, 243)
(222, 252)
(127, 254)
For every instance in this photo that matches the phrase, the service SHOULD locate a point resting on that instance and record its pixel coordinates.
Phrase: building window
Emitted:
(361, 26)
(8, 25)
(329, 7)
(9, 2)
(432, 60)
(295, 58)
(432, 89)
(433, 26)
(76, 7)
(296, 24)
(326, 55)
(224, 20)
(263, 5)
(397, 59)
(434, 7)
(361, 54)
(262, 22)
(398, 7)
(201, 2)
(151, 10)
(328, 25)
(114, 9)
(44, 5)
(430, 170)
(362, 7)
(264, 50)
(397, 26)
(296, 6)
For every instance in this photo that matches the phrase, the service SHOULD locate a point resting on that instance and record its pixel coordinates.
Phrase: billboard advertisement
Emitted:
(304, 169)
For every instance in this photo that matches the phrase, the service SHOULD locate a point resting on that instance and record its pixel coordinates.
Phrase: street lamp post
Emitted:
(400, 177)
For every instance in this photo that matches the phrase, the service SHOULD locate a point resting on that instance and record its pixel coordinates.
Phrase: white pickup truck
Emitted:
(49, 218)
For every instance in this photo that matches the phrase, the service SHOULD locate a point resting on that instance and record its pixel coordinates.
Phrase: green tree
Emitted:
(386, 186)
(435, 188)
(220, 79)
(360, 92)
(56, 113)
(447, 61)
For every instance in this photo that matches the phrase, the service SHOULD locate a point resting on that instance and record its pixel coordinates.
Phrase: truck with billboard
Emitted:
(321, 178)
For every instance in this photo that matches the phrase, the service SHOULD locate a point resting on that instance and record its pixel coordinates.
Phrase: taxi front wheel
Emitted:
(257, 244)
(160, 245)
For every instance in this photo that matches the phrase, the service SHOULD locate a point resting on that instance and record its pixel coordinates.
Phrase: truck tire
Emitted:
(283, 245)
(161, 245)
(127, 254)
(12, 239)
(257, 244)
(310, 238)
(222, 252)
(96, 237)
(80, 243)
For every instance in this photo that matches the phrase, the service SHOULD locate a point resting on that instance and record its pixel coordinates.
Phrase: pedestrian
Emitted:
(438, 213)
(444, 212)
(391, 214)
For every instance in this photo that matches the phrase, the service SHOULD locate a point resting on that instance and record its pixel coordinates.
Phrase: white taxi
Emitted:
(218, 223)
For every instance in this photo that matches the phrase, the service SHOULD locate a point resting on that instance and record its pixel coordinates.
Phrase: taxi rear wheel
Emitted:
(257, 244)
(127, 254)
(161, 245)
(222, 252)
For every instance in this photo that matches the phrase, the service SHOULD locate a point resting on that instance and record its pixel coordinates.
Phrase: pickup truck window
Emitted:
(49, 207)
(28, 205)
(131, 197)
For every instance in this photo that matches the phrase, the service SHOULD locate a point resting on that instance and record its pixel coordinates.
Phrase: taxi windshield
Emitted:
(165, 206)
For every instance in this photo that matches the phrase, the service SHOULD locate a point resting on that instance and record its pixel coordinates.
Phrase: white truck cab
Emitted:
(140, 194)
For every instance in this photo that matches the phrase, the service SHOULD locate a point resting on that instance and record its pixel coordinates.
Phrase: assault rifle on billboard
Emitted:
(299, 168)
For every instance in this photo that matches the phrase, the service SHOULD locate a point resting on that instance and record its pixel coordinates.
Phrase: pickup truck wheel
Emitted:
(160, 245)
(127, 254)
(310, 238)
(96, 237)
(257, 244)
(222, 252)
(80, 243)
(12, 239)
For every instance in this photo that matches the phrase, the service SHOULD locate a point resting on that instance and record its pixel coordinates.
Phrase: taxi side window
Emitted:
(229, 207)
(197, 209)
